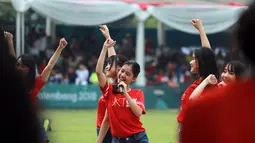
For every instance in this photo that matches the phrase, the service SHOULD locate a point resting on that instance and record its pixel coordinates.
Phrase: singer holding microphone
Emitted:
(113, 64)
(124, 105)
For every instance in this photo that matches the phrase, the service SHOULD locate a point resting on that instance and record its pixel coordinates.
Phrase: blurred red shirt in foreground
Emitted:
(222, 116)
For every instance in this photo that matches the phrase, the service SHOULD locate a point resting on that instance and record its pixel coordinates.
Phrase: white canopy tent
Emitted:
(215, 18)
(94, 12)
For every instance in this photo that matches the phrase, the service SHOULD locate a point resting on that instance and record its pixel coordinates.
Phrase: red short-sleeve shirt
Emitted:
(185, 99)
(38, 86)
(100, 111)
(123, 121)
(222, 116)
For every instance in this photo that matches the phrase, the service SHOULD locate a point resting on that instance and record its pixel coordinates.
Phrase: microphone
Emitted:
(121, 89)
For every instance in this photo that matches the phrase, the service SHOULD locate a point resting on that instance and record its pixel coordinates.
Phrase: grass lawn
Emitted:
(79, 126)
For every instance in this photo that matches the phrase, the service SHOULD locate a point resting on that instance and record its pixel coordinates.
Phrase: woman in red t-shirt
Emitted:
(26, 67)
(114, 63)
(202, 64)
(227, 116)
(124, 105)
(19, 121)
(232, 71)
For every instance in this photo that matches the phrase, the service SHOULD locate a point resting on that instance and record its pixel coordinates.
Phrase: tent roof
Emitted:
(192, 2)
(184, 1)
(145, 3)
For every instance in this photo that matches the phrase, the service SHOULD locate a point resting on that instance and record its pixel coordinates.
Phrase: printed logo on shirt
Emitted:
(119, 102)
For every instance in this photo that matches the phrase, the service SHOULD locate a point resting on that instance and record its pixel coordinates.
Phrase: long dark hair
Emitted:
(118, 60)
(29, 61)
(21, 115)
(206, 62)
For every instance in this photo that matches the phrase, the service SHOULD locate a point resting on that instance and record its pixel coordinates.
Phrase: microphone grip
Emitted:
(121, 89)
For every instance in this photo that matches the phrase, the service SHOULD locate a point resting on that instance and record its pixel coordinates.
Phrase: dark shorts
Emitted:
(135, 138)
(43, 134)
(108, 136)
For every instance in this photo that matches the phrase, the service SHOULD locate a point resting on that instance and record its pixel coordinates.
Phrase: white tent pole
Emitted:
(160, 33)
(140, 46)
(18, 50)
(22, 14)
(48, 26)
(140, 53)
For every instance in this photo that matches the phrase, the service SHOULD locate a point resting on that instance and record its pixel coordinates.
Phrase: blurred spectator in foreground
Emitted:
(19, 123)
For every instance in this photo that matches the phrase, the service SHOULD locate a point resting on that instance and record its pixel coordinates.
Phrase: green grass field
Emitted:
(78, 126)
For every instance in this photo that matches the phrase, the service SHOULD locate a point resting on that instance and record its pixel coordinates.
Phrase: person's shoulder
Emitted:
(101, 99)
(209, 98)
(195, 83)
(38, 80)
(108, 85)
(137, 92)
(193, 86)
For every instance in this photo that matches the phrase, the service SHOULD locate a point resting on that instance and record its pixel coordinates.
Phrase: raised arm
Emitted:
(211, 79)
(9, 38)
(47, 70)
(104, 128)
(105, 31)
(197, 23)
(100, 63)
